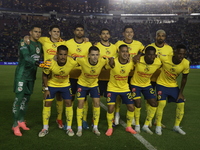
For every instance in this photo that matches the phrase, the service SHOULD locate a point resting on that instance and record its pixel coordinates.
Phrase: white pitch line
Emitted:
(137, 136)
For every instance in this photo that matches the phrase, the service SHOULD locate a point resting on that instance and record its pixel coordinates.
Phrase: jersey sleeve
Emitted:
(42, 39)
(187, 68)
(24, 51)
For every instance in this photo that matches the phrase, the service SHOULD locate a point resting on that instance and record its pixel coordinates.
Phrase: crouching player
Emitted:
(56, 80)
(118, 85)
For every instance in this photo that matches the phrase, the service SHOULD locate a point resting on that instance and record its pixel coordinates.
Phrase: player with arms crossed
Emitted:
(167, 87)
(56, 80)
(118, 85)
(25, 75)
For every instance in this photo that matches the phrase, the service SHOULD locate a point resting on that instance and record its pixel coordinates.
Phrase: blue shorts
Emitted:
(82, 92)
(168, 93)
(103, 87)
(148, 92)
(125, 96)
(74, 84)
(65, 92)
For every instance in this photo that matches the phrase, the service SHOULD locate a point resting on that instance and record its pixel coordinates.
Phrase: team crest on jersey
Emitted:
(146, 69)
(22, 43)
(129, 48)
(37, 50)
(92, 71)
(78, 50)
(54, 45)
(20, 83)
(107, 52)
(172, 70)
(79, 89)
(122, 71)
(61, 72)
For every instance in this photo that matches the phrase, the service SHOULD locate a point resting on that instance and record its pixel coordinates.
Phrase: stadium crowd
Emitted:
(13, 28)
(103, 6)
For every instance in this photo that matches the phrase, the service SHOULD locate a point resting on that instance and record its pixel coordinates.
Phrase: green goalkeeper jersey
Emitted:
(28, 55)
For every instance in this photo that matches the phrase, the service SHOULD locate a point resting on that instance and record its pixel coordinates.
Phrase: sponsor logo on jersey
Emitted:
(109, 95)
(118, 77)
(91, 76)
(133, 89)
(51, 52)
(79, 89)
(20, 83)
(20, 89)
(159, 92)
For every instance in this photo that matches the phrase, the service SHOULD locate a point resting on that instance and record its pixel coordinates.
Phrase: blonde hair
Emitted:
(160, 31)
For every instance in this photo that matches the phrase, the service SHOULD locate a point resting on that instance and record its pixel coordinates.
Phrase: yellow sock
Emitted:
(59, 106)
(79, 116)
(150, 114)
(110, 118)
(118, 104)
(96, 115)
(46, 114)
(85, 110)
(129, 117)
(179, 113)
(69, 115)
(137, 115)
(159, 112)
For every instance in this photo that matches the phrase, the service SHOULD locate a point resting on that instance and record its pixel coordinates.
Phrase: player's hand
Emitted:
(111, 62)
(180, 96)
(46, 94)
(86, 39)
(136, 58)
(27, 39)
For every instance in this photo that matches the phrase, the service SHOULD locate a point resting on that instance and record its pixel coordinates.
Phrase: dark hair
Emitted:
(78, 26)
(93, 48)
(35, 26)
(180, 46)
(62, 47)
(150, 48)
(53, 26)
(127, 26)
(104, 29)
(123, 45)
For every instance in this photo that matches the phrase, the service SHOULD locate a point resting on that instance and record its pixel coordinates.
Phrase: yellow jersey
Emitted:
(49, 47)
(77, 50)
(59, 75)
(90, 73)
(143, 72)
(170, 72)
(106, 52)
(119, 76)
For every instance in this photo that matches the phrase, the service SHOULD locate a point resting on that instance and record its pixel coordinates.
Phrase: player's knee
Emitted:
(47, 103)
(153, 103)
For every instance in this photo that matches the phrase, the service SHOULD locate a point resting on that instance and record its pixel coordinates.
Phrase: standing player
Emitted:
(141, 83)
(49, 46)
(167, 87)
(78, 48)
(56, 80)
(107, 50)
(118, 85)
(25, 75)
(163, 50)
(88, 82)
(134, 47)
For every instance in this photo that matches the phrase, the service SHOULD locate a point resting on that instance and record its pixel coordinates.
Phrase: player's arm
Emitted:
(111, 62)
(183, 83)
(24, 51)
(136, 58)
